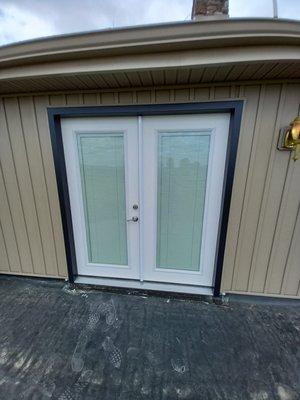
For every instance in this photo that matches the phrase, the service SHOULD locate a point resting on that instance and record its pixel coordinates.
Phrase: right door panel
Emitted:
(183, 172)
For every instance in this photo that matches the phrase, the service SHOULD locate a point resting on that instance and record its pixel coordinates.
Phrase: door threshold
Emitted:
(133, 284)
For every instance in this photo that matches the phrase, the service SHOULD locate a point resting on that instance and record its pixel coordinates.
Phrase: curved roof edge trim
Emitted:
(153, 39)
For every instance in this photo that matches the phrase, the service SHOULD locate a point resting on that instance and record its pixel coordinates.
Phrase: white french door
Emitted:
(146, 195)
(102, 171)
(183, 172)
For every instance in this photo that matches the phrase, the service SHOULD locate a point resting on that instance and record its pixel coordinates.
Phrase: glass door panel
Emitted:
(102, 170)
(181, 187)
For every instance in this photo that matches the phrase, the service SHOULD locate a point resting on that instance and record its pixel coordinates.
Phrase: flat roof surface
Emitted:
(90, 344)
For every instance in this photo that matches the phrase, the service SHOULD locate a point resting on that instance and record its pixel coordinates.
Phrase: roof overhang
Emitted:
(186, 45)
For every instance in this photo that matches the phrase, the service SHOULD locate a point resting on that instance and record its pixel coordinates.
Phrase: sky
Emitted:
(28, 19)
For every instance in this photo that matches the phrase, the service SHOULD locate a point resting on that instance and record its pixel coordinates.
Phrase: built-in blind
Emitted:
(182, 175)
(103, 188)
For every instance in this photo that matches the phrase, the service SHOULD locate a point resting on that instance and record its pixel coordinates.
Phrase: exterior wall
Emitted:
(262, 253)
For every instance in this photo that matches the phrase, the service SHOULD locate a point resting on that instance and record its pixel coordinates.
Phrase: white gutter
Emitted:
(153, 39)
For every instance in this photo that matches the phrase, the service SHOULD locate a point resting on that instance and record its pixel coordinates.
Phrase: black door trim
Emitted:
(235, 108)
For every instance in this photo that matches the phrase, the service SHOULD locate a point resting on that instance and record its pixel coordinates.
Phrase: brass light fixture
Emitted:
(290, 138)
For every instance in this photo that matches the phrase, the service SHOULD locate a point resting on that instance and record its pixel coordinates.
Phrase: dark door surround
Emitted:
(235, 108)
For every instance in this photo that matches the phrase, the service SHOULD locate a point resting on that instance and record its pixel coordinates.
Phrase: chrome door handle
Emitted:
(133, 219)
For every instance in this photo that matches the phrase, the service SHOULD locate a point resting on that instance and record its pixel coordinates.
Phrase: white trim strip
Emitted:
(141, 200)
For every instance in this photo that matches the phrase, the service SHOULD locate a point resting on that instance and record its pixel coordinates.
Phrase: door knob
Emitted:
(133, 219)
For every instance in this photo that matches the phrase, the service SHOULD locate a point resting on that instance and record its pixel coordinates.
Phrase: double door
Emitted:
(145, 195)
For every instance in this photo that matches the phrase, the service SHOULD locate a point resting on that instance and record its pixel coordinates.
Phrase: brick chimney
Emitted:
(209, 9)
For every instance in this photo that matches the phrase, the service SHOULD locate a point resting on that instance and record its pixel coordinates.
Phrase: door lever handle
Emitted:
(133, 219)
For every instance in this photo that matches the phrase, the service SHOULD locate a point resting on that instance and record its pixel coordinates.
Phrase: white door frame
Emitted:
(235, 108)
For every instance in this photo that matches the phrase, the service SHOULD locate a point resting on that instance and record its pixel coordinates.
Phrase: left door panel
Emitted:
(102, 170)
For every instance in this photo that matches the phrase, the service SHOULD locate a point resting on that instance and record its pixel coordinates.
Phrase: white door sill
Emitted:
(134, 284)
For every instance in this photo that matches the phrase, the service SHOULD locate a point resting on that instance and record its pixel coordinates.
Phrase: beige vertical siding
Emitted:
(263, 250)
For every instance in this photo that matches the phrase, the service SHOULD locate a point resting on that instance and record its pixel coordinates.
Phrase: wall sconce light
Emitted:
(290, 138)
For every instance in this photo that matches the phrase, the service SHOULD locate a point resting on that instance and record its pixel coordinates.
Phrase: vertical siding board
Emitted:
(291, 279)
(57, 100)
(144, 96)
(273, 190)
(39, 185)
(252, 94)
(5, 219)
(4, 265)
(90, 99)
(74, 99)
(264, 132)
(162, 96)
(9, 253)
(16, 235)
(25, 183)
(108, 98)
(201, 94)
(182, 95)
(125, 98)
(41, 104)
(222, 92)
